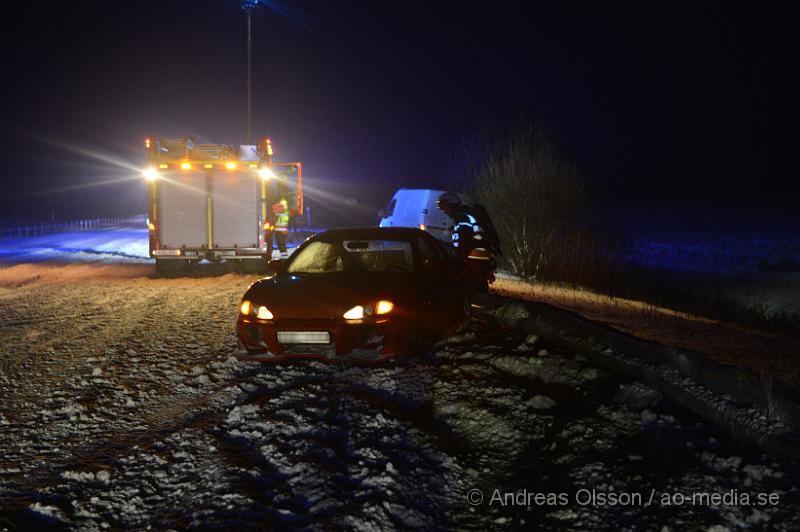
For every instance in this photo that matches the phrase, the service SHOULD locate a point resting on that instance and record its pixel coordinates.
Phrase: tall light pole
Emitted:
(249, 6)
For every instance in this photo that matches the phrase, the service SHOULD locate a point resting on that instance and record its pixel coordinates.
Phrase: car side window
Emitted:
(428, 252)
(379, 255)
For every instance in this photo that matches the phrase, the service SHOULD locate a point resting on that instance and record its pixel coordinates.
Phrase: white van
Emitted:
(416, 207)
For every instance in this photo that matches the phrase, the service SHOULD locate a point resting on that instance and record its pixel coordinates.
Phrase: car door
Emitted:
(444, 281)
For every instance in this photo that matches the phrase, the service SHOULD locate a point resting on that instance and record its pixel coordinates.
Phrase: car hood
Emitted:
(329, 296)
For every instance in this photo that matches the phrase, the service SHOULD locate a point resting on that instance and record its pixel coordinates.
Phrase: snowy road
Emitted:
(121, 408)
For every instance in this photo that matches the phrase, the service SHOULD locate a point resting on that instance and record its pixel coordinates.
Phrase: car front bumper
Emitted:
(350, 340)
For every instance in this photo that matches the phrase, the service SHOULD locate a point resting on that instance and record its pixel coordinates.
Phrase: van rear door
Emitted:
(408, 211)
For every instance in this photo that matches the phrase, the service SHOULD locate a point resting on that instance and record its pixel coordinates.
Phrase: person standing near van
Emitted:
(471, 241)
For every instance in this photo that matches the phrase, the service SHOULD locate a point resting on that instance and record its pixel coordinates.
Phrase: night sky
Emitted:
(651, 99)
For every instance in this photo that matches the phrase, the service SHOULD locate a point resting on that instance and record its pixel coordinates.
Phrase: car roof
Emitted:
(365, 233)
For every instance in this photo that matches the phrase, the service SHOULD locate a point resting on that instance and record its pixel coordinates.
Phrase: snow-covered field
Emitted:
(717, 252)
(122, 408)
(761, 272)
(113, 244)
(737, 251)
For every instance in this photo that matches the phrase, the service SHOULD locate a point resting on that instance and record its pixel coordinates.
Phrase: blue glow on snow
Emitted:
(113, 244)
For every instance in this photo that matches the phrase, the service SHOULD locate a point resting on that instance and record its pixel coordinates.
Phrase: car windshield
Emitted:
(358, 256)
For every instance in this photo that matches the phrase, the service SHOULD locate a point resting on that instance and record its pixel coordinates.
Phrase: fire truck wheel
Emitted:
(169, 267)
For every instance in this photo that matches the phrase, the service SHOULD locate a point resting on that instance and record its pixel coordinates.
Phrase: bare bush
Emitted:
(531, 189)
(536, 196)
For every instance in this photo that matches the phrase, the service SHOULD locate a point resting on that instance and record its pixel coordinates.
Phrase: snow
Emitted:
(714, 251)
(51, 513)
(531, 339)
(125, 244)
(78, 476)
(134, 414)
(637, 396)
(541, 402)
(547, 369)
(114, 244)
(757, 267)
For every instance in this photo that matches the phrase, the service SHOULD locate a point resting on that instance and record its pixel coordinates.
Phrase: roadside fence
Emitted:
(90, 224)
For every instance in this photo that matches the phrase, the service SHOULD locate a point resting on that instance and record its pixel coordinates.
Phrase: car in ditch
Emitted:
(362, 294)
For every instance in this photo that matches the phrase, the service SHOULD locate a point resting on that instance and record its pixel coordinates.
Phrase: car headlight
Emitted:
(355, 313)
(261, 312)
(384, 307)
(358, 312)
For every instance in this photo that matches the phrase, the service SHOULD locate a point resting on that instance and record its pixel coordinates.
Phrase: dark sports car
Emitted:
(354, 294)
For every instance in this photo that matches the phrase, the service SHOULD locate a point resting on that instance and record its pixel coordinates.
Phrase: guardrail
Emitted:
(90, 224)
(296, 234)
(750, 406)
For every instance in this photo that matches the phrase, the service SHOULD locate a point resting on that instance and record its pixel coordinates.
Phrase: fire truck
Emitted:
(213, 201)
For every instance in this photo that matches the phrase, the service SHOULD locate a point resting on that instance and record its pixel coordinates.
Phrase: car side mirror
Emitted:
(277, 265)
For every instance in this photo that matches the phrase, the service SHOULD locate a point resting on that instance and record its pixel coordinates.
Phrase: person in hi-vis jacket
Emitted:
(280, 212)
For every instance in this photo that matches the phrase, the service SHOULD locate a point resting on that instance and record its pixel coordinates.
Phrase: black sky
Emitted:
(652, 99)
